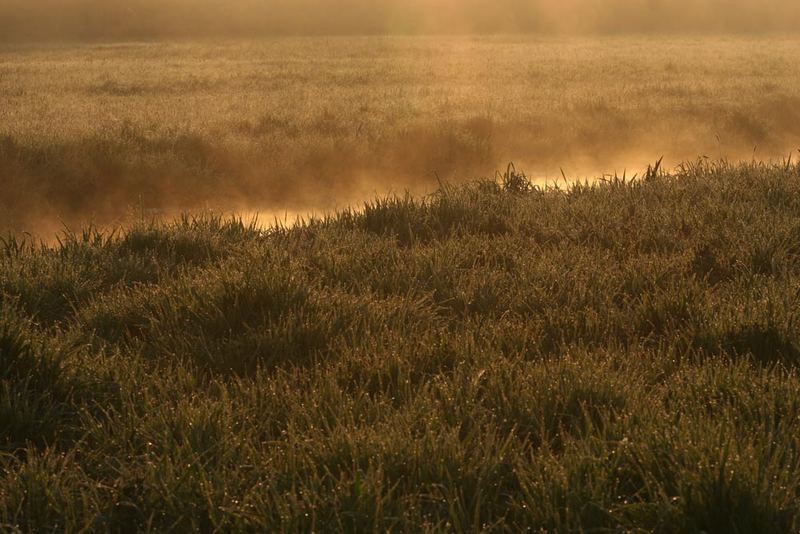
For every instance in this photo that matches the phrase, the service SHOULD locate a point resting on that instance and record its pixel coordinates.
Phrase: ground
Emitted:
(496, 356)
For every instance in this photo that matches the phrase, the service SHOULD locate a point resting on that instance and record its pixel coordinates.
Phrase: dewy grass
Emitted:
(495, 357)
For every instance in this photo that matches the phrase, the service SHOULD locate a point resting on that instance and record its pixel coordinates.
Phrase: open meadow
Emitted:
(96, 132)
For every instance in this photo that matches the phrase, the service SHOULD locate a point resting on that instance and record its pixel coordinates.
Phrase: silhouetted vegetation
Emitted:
(616, 355)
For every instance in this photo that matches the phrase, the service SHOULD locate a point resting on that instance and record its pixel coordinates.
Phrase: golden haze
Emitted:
(312, 124)
(133, 19)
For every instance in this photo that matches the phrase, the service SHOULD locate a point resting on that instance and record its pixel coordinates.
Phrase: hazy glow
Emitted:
(106, 19)
(298, 125)
(200, 114)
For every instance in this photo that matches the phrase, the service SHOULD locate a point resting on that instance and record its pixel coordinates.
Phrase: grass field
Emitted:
(93, 132)
(493, 357)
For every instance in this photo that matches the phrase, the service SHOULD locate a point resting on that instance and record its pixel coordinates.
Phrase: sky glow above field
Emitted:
(138, 19)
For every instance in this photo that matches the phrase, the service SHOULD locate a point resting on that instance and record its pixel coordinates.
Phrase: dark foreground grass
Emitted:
(496, 357)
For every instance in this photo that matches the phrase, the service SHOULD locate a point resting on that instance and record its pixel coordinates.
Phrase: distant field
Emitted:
(494, 358)
(313, 123)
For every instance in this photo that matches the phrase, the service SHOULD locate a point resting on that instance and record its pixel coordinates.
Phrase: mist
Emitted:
(64, 20)
(113, 107)
(95, 132)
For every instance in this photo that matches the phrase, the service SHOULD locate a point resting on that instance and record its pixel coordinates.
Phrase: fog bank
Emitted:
(54, 20)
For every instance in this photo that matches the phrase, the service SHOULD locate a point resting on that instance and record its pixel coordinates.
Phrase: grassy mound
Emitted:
(500, 356)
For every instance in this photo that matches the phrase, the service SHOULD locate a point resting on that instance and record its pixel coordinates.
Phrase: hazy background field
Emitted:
(98, 131)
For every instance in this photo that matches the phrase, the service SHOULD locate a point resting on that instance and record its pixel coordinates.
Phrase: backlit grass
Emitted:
(495, 357)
